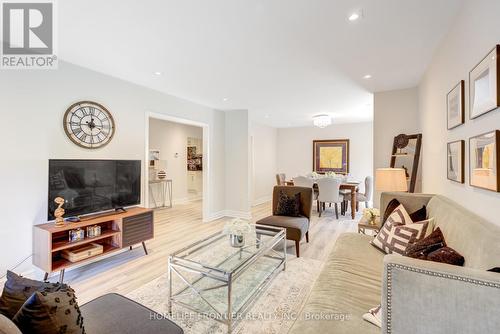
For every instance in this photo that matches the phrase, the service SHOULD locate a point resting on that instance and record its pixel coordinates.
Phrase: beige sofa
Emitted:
(417, 296)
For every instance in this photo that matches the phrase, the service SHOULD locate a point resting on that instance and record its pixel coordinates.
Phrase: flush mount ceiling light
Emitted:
(354, 16)
(322, 121)
(157, 73)
(368, 76)
(225, 99)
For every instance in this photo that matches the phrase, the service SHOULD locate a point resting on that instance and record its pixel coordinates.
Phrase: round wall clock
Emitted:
(89, 124)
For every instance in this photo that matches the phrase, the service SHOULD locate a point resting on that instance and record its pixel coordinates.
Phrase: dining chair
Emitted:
(304, 181)
(281, 179)
(329, 192)
(362, 197)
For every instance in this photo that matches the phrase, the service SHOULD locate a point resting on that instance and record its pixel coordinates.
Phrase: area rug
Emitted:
(272, 313)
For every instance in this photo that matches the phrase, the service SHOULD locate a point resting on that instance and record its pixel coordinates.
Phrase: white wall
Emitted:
(171, 138)
(395, 112)
(295, 148)
(264, 141)
(32, 104)
(475, 32)
(237, 164)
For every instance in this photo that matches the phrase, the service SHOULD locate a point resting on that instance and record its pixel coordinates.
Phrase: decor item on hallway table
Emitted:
(371, 214)
(331, 156)
(455, 101)
(237, 229)
(406, 154)
(484, 163)
(455, 161)
(484, 89)
(89, 124)
(154, 158)
(162, 175)
(59, 212)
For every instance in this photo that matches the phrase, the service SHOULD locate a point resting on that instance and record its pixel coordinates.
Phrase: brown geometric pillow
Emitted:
(287, 205)
(446, 255)
(420, 214)
(18, 289)
(399, 232)
(421, 249)
(50, 312)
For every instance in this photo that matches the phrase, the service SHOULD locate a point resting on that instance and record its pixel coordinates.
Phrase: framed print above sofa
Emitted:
(484, 163)
(455, 161)
(331, 156)
(484, 88)
(455, 101)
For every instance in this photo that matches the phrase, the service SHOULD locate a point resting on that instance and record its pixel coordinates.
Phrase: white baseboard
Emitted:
(230, 214)
(262, 200)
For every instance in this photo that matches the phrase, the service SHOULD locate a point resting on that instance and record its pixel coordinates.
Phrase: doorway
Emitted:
(176, 163)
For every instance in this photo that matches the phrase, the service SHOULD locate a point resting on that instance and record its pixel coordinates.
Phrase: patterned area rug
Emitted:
(273, 312)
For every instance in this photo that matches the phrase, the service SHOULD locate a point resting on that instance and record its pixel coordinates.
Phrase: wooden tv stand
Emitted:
(118, 231)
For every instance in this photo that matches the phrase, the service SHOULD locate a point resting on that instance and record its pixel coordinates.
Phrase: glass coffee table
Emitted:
(219, 281)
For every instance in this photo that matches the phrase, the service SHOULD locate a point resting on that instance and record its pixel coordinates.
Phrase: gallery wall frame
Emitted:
(484, 162)
(331, 155)
(455, 106)
(455, 161)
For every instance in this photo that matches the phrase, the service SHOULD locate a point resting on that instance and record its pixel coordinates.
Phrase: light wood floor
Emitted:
(174, 229)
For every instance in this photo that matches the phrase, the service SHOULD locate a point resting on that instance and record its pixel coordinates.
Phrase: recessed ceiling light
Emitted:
(225, 99)
(368, 76)
(266, 116)
(353, 17)
(157, 73)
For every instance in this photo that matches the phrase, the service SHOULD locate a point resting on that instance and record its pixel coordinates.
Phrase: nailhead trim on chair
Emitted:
(390, 266)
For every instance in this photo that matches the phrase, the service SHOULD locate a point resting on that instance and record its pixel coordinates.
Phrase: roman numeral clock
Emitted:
(89, 124)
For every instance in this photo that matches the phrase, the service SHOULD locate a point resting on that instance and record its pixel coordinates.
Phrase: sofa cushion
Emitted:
(296, 227)
(18, 289)
(348, 285)
(113, 313)
(50, 312)
(7, 326)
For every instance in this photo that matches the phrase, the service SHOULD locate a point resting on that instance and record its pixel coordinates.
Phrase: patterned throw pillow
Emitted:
(399, 231)
(420, 214)
(50, 312)
(433, 248)
(288, 205)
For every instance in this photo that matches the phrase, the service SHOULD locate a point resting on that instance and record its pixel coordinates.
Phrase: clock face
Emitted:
(89, 124)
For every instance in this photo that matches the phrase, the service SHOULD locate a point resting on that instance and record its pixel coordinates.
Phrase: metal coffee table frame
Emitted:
(225, 279)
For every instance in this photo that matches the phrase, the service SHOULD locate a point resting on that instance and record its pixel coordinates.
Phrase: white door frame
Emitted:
(206, 157)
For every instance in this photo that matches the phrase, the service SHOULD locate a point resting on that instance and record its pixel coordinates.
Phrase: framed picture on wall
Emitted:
(455, 101)
(484, 88)
(455, 161)
(484, 161)
(331, 156)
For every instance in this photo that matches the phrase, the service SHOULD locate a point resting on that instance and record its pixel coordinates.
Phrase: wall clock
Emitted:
(89, 124)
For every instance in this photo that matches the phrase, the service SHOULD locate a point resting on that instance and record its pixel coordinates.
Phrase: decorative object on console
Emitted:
(59, 211)
(237, 229)
(161, 175)
(484, 161)
(89, 124)
(455, 101)
(82, 252)
(331, 156)
(76, 235)
(455, 161)
(406, 155)
(484, 86)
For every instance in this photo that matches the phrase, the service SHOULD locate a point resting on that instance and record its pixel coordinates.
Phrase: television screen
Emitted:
(90, 186)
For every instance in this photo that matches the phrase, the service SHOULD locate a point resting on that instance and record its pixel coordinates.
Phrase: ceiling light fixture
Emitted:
(353, 17)
(266, 116)
(322, 121)
(157, 73)
(368, 76)
(225, 99)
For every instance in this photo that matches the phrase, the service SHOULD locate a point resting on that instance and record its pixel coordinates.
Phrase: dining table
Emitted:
(351, 186)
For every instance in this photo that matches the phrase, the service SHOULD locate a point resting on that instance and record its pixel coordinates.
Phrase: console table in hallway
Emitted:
(165, 187)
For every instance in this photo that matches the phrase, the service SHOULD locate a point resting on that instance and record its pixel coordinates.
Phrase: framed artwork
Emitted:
(455, 101)
(331, 156)
(154, 158)
(455, 161)
(484, 88)
(484, 163)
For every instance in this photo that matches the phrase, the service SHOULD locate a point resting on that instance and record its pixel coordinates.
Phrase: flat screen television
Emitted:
(90, 186)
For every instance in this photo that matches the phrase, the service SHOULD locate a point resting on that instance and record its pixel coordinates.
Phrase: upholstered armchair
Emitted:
(296, 227)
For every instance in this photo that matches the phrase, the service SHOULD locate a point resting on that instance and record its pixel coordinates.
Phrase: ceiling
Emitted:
(283, 60)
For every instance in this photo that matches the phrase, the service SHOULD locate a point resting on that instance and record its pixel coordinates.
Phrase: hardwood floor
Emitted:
(175, 228)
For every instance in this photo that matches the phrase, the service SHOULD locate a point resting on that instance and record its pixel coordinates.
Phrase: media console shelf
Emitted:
(118, 231)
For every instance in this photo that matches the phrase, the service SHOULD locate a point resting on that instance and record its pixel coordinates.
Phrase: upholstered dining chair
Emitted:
(329, 192)
(363, 197)
(281, 179)
(304, 181)
(296, 227)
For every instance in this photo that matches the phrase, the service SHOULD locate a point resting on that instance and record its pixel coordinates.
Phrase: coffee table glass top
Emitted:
(216, 252)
